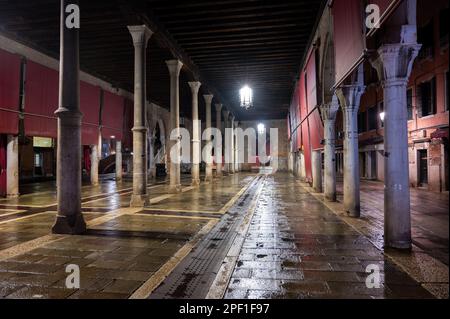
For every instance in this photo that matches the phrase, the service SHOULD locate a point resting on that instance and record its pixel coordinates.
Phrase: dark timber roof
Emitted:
(223, 43)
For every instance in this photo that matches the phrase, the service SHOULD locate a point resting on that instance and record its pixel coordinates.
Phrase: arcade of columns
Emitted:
(393, 63)
(69, 219)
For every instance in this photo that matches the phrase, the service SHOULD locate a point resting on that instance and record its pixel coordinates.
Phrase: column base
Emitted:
(139, 200)
(355, 213)
(195, 182)
(400, 245)
(70, 225)
(330, 198)
(175, 189)
(219, 175)
(12, 196)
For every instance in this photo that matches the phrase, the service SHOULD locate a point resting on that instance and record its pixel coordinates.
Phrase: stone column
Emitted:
(317, 170)
(232, 150)
(118, 161)
(12, 167)
(209, 170)
(140, 34)
(218, 150)
(394, 64)
(350, 97)
(329, 112)
(195, 170)
(226, 166)
(236, 150)
(69, 219)
(94, 165)
(174, 67)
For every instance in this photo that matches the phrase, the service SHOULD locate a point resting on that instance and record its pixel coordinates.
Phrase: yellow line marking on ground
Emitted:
(182, 211)
(220, 283)
(177, 216)
(14, 211)
(24, 217)
(112, 215)
(28, 246)
(160, 198)
(154, 281)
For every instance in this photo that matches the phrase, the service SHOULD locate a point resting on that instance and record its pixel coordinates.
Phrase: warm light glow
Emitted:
(382, 115)
(261, 128)
(246, 94)
(112, 137)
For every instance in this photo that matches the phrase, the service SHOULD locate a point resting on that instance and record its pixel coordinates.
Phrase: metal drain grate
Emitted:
(193, 277)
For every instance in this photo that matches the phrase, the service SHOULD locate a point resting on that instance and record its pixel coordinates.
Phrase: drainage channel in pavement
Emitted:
(193, 277)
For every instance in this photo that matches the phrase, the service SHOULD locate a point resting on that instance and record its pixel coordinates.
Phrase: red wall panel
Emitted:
(128, 122)
(311, 81)
(113, 112)
(41, 100)
(90, 107)
(2, 165)
(349, 38)
(9, 92)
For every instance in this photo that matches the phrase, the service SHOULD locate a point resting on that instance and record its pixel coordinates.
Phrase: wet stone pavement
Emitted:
(297, 248)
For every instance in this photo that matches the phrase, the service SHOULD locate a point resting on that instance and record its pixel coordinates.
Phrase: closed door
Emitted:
(2, 165)
(423, 167)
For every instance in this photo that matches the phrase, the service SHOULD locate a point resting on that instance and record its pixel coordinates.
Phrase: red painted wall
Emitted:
(9, 92)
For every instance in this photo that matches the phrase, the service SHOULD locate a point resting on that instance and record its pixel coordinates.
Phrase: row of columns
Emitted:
(393, 64)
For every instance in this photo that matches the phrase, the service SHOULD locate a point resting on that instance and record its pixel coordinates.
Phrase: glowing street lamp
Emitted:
(246, 95)
(382, 116)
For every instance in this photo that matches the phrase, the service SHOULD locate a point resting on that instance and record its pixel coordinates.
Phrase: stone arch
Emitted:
(327, 68)
(157, 137)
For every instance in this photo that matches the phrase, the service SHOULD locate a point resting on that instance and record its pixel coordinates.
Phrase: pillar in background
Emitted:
(140, 34)
(217, 149)
(232, 150)
(226, 166)
(394, 64)
(69, 219)
(12, 167)
(195, 169)
(237, 165)
(94, 165)
(350, 96)
(209, 167)
(118, 161)
(174, 67)
(317, 171)
(329, 112)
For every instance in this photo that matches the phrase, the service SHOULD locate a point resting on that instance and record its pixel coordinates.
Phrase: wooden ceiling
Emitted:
(223, 43)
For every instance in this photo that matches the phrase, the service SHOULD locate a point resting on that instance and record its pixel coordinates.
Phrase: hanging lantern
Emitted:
(246, 95)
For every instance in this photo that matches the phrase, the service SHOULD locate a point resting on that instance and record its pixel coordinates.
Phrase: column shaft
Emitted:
(317, 171)
(218, 147)
(209, 166)
(195, 170)
(69, 219)
(140, 34)
(394, 66)
(174, 67)
(118, 161)
(94, 165)
(12, 169)
(350, 97)
(329, 112)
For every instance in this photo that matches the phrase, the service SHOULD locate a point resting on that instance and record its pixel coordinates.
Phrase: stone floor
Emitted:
(277, 239)
(296, 247)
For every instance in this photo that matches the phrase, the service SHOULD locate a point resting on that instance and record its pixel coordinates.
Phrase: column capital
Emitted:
(329, 110)
(174, 67)
(208, 98)
(218, 107)
(349, 96)
(394, 62)
(195, 86)
(141, 34)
